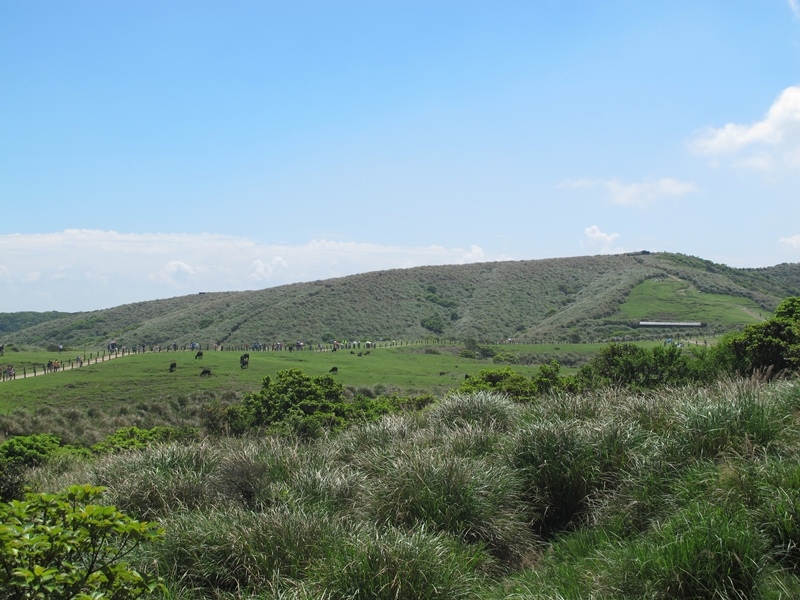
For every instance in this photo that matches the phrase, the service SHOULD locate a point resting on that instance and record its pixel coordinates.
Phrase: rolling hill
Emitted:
(591, 298)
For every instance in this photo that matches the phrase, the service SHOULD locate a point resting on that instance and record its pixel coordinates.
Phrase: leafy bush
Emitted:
(131, 438)
(433, 323)
(773, 345)
(633, 366)
(505, 357)
(63, 546)
(505, 381)
(33, 450)
(300, 403)
(12, 479)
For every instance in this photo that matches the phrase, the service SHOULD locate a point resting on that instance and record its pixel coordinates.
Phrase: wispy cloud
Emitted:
(602, 242)
(791, 242)
(641, 193)
(795, 6)
(76, 270)
(769, 144)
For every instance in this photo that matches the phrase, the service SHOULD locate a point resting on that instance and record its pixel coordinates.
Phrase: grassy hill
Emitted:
(581, 299)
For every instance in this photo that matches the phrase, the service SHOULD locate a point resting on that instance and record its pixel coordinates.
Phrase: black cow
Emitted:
(244, 361)
(334, 370)
(172, 367)
(199, 354)
(205, 372)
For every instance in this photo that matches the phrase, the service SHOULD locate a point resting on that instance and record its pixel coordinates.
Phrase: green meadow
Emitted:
(672, 299)
(145, 377)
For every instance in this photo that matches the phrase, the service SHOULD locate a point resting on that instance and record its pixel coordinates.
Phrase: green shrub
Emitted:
(12, 479)
(131, 438)
(63, 546)
(295, 401)
(30, 450)
(506, 381)
(505, 357)
(433, 323)
(636, 367)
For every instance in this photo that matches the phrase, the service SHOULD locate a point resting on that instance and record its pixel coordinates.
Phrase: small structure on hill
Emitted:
(671, 324)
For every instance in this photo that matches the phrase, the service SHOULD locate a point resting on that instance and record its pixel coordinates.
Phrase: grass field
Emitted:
(671, 299)
(146, 377)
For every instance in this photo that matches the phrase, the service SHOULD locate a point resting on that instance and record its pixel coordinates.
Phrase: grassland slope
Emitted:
(577, 299)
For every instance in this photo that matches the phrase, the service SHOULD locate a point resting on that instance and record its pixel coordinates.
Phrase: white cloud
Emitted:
(76, 270)
(602, 242)
(769, 144)
(792, 242)
(174, 273)
(641, 193)
(795, 6)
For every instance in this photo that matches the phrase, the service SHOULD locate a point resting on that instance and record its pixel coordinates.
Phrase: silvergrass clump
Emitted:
(777, 510)
(488, 410)
(702, 551)
(473, 500)
(558, 462)
(473, 441)
(254, 472)
(566, 570)
(393, 564)
(234, 550)
(153, 482)
(367, 446)
(732, 417)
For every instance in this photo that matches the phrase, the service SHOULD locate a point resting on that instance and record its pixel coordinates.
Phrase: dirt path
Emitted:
(72, 365)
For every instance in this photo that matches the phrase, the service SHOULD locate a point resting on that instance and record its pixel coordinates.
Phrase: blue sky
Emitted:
(152, 149)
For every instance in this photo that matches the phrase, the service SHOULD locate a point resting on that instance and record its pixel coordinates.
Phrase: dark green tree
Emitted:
(504, 380)
(299, 402)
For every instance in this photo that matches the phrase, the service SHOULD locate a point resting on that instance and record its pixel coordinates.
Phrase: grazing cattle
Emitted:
(442, 373)
(199, 354)
(244, 361)
(205, 372)
(334, 370)
(172, 367)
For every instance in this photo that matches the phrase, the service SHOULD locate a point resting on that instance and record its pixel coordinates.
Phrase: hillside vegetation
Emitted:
(593, 298)
(654, 471)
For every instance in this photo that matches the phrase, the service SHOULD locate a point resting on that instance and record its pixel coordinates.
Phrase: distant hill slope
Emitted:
(579, 299)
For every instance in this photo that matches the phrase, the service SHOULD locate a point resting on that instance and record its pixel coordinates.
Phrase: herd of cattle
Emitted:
(244, 363)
